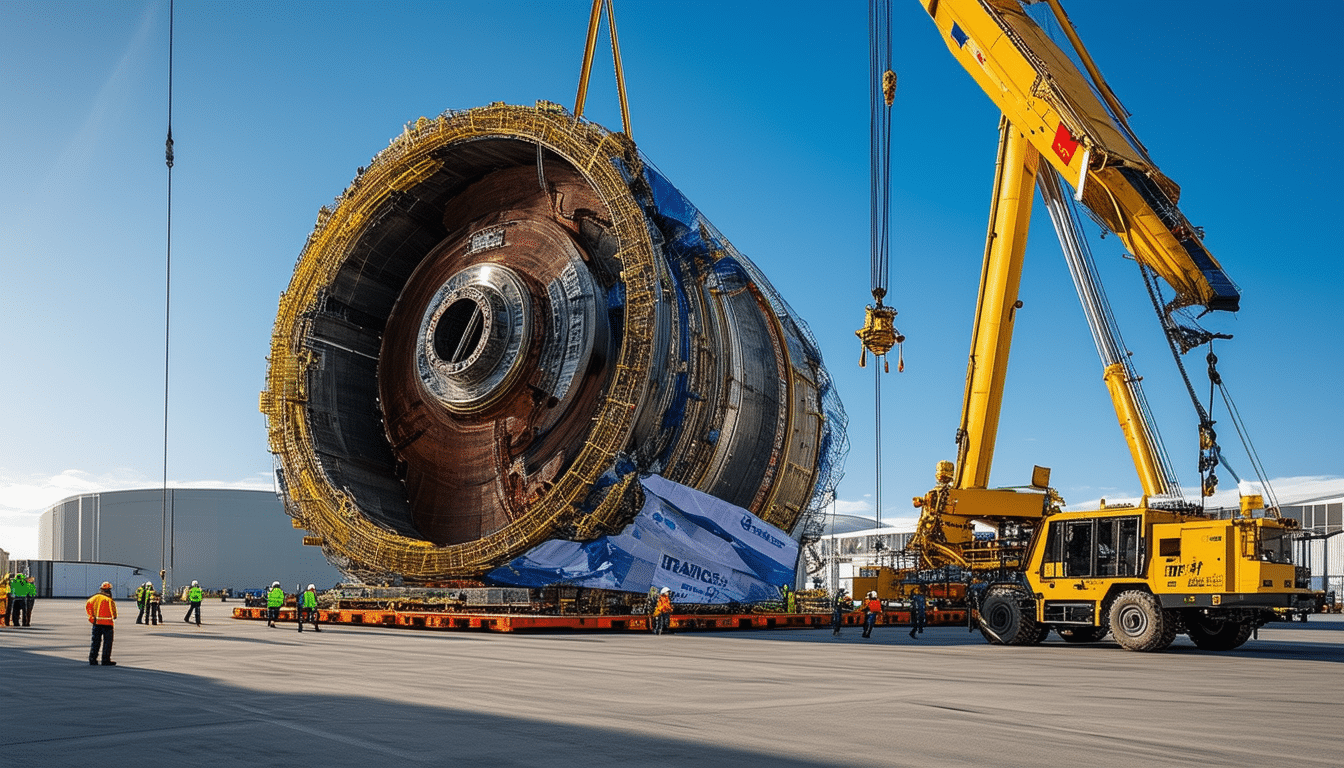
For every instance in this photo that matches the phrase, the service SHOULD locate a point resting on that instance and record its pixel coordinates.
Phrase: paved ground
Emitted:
(237, 693)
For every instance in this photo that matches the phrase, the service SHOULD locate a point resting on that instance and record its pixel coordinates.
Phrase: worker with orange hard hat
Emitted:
(102, 610)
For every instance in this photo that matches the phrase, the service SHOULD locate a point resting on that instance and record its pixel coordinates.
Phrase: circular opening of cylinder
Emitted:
(459, 331)
(473, 336)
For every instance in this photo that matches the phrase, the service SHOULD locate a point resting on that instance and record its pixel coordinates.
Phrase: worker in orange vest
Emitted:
(662, 614)
(102, 610)
(873, 606)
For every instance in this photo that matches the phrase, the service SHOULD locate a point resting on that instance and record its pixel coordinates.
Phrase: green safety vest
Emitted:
(309, 600)
(194, 595)
(275, 598)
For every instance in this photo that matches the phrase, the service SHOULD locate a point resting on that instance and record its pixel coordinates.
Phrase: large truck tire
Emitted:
(1138, 622)
(1006, 619)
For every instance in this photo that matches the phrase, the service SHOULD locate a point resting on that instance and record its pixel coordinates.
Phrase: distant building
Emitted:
(1322, 542)
(225, 539)
(65, 579)
(4, 562)
(850, 543)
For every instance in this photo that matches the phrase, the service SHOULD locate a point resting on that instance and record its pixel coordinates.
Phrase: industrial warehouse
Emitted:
(563, 476)
(227, 540)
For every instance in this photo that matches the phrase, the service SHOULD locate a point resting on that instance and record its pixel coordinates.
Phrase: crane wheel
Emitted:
(1006, 618)
(1217, 633)
(1138, 622)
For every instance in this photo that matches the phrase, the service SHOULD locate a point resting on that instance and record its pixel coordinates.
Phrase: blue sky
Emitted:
(757, 112)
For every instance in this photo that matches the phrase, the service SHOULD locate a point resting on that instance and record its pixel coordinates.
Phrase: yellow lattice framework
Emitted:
(408, 160)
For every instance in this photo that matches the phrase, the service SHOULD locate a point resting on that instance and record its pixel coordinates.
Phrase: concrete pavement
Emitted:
(238, 693)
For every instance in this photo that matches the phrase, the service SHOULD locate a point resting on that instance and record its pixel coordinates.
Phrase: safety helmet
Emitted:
(195, 583)
(107, 585)
(274, 584)
(149, 583)
(310, 586)
(872, 594)
(664, 591)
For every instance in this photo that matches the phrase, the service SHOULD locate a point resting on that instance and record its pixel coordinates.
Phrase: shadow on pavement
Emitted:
(79, 715)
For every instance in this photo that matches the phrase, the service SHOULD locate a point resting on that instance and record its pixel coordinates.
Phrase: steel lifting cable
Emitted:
(879, 65)
(165, 532)
(882, 86)
(1210, 453)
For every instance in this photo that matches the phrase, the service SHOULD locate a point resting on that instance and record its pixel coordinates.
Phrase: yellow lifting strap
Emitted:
(594, 22)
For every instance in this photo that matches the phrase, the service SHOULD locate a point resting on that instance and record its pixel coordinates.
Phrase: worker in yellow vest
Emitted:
(308, 608)
(102, 610)
(22, 593)
(155, 604)
(4, 601)
(274, 599)
(194, 596)
(142, 602)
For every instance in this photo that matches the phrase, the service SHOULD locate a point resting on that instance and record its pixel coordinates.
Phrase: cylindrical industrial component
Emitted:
(503, 321)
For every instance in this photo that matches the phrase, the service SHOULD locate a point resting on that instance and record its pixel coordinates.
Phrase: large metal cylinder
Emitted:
(503, 321)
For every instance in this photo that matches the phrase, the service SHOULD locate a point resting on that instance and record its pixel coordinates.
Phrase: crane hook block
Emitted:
(878, 333)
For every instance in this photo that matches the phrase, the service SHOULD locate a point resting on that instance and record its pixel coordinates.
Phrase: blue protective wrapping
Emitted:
(705, 550)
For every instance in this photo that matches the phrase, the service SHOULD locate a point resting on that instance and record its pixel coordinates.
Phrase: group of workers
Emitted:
(102, 612)
(872, 608)
(17, 593)
(305, 602)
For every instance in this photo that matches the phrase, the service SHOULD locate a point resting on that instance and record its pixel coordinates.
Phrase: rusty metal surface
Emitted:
(496, 329)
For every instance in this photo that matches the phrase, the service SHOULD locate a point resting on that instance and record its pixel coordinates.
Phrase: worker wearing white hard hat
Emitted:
(662, 613)
(274, 599)
(308, 608)
(194, 598)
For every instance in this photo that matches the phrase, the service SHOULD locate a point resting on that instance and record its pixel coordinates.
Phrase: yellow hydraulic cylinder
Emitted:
(1006, 242)
(1137, 434)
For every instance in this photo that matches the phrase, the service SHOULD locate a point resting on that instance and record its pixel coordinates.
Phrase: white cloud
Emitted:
(24, 499)
(858, 507)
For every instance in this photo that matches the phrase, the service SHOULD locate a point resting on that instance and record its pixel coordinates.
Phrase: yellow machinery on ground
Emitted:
(1143, 572)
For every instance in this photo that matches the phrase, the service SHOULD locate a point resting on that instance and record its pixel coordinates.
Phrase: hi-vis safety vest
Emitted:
(275, 598)
(664, 605)
(101, 609)
(194, 595)
(309, 600)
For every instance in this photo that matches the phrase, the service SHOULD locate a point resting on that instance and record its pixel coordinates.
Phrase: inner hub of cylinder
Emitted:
(472, 337)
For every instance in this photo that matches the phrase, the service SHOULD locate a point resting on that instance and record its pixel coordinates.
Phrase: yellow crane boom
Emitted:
(1038, 88)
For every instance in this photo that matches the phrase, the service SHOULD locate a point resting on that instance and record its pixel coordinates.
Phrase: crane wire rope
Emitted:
(165, 531)
(1182, 339)
(881, 88)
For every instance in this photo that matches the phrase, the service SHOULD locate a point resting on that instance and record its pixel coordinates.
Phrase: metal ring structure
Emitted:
(505, 320)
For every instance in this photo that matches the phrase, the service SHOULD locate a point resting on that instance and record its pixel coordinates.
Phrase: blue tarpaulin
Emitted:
(704, 549)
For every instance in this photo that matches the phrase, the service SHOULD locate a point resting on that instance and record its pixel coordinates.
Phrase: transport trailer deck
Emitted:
(532, 622)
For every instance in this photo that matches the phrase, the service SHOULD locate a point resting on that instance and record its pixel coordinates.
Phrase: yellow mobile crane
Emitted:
(1142, 572)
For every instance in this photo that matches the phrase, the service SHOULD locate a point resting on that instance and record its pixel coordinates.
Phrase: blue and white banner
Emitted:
(705, 550)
